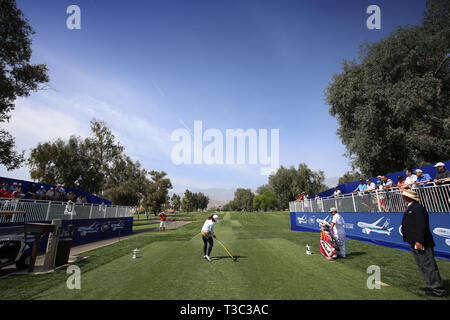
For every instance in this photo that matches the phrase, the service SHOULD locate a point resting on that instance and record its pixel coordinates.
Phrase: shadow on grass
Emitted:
(355, 254)
(226, 257)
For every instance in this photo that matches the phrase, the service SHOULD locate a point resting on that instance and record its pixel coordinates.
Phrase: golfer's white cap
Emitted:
(216, 217)
(439, 164)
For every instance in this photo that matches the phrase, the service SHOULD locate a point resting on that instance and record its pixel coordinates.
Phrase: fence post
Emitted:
(117, 210)
(48, 211)
(378, 201)
(90, 212)
(354, 204)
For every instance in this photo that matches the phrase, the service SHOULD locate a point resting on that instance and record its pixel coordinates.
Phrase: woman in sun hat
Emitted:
(208, 234)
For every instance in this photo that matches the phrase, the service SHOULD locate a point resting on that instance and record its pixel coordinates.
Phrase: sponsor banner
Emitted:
(84, 230)
(382, 228)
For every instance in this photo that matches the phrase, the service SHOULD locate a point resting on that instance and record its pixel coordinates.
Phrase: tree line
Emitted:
(283, 186)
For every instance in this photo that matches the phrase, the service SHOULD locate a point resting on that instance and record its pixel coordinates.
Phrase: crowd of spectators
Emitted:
(57, 193)
(414, 179)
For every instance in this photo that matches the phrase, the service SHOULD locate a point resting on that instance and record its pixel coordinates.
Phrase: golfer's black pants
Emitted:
(207, 240)
(429, 269)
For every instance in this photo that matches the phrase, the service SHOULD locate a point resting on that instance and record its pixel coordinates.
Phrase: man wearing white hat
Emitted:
(416, 232)
(337, 225)
(443, 175)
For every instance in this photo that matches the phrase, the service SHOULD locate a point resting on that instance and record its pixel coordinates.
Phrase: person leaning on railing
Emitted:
(410, 178)
(443, 175)
(423, 179)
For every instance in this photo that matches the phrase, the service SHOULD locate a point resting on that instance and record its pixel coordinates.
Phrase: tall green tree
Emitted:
(127, 182)
(175, 202)
(243, 199)
(265, 201)
(188, 202)
(18, 77)
(288, 183)
(393, 105)
(158, 192)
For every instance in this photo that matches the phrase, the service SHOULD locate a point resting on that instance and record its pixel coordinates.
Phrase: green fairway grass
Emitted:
(272, 264)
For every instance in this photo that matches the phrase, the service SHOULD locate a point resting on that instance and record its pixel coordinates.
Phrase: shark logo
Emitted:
(327, 220)
(367, 228)
(302, 219)
(443, 232)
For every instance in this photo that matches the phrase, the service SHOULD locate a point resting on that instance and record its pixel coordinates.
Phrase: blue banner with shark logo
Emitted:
(382, 228)
(84, 230)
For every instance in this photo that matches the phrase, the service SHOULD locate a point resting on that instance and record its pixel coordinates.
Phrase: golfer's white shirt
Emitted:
(338, 228)
(208, 226)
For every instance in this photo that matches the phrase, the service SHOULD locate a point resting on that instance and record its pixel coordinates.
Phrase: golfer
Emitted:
(162, 225)
(337, 225)
(208, 234)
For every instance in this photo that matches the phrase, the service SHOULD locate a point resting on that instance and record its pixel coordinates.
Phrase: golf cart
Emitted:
(13, 250)
(14, 247)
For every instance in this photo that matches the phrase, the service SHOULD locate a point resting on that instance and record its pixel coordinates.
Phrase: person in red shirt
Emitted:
(162, 225)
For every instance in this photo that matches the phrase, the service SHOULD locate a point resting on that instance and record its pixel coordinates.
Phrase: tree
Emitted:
(127, 182)
(187, 204)
(392, 106)
(287, 184)
(202, 201)
(243, 199)
(18, 78)
(175, 202)
(350, 176)
(103, 151)
(158, 192)
(96, 165)
(265, 201)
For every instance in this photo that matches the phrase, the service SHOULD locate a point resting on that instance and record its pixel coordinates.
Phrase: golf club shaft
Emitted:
(225, 249)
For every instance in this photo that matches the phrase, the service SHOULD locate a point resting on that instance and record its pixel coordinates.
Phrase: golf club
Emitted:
(231, 256)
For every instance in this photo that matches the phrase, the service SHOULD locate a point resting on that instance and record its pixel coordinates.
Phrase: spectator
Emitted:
(410, 179)
(78, 200)
(382, 195)
(443, 175)
(387, 183)
(337, 192)
(416, 232)
(13, 188)
(19, 193)
(41, 193)
(361, 187)
(102, 208)
(301, 197)
(63, 192)
(371, 186)
(401, 184)
(31, 193)
(49, 194)
(70, 208)
(422, 178)
(57, 195)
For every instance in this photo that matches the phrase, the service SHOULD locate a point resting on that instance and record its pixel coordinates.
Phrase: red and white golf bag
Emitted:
(328, 243)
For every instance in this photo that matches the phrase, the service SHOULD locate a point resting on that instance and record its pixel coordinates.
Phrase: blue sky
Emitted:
(150, 67)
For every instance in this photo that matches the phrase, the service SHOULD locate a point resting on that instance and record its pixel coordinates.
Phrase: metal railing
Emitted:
(435, 198)
(37, 210)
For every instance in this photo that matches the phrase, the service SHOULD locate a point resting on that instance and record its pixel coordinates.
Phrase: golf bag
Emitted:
(328, 243)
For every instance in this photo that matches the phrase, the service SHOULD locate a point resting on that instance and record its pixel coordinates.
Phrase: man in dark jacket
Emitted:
(416, 231)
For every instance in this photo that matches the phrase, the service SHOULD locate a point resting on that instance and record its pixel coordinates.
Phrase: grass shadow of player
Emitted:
(216, 258)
